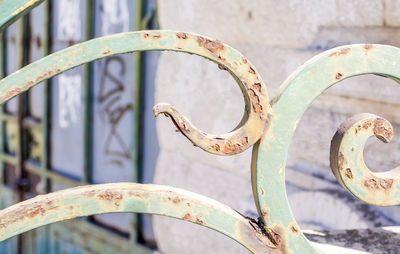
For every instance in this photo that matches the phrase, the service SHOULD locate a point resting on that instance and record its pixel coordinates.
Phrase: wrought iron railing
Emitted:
(267, 125)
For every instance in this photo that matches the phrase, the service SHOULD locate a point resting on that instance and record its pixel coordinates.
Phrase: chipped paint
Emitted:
(347, 153)
(132, 197)
(294, 97)
(255, 120)
(268, 126)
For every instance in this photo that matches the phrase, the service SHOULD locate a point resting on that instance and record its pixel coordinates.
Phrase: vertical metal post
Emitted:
(137, 123)
(22, 42)
(88, 99)
(23, 50)
(45, 123)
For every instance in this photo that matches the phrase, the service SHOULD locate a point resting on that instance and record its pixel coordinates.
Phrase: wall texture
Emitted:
(277, 37)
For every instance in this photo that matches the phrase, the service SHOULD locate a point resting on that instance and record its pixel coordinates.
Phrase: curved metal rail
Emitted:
(267, 125)
(256, 116)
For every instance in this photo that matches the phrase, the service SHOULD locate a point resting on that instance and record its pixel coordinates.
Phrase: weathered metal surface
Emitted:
(294, 97)
(347, 161)
(11, 10)
(255, 119)
(132, 197)
(272, 124)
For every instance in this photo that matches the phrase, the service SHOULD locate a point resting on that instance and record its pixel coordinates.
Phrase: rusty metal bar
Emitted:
(268, 125)
(255, 120)
(132, 197)
(347, 161)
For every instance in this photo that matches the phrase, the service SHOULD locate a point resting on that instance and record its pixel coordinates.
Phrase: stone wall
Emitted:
(277, 37)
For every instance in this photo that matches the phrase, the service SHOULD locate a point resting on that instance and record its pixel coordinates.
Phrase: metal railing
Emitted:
(267, 125)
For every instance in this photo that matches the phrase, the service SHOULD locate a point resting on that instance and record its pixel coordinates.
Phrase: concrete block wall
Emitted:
(277, 37)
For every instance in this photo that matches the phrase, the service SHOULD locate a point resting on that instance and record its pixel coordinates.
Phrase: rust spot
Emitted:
(187, 216)
(255, 101)
(352, 149)
(30, 83)
(108, 195)
(244, 60)
(32, 212)
(44, 75)
(188, 204)
(341, 52)
(381, 130)
(105, 52)
(211, 45)
(176, 200)
(155, 35)
(257, 86)
(386, 183)
(181, 35)
(294, 229)
(367, 48)
(216, 147)
(245, 141)
(12, 93)
(273, 236)
(371, 183)
(338, 75)
(230, 148)
(340, 160)
(348, 173)
(366, 125)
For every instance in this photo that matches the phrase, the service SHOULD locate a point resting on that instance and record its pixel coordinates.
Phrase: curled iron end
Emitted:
(347, 161)
(257, 109)
(225, 144)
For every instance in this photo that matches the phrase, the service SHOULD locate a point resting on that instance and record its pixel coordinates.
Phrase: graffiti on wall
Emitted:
(113, 109)
(113, 96)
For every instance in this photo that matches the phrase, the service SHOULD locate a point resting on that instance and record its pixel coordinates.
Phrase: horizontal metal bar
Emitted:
(137, 198)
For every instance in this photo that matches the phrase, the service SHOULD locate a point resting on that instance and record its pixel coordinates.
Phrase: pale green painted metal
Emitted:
(294, 97)
(130, 197)
(347, 161)
(254, 121)
(250, 129)
(271, 124)
(11, 10)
